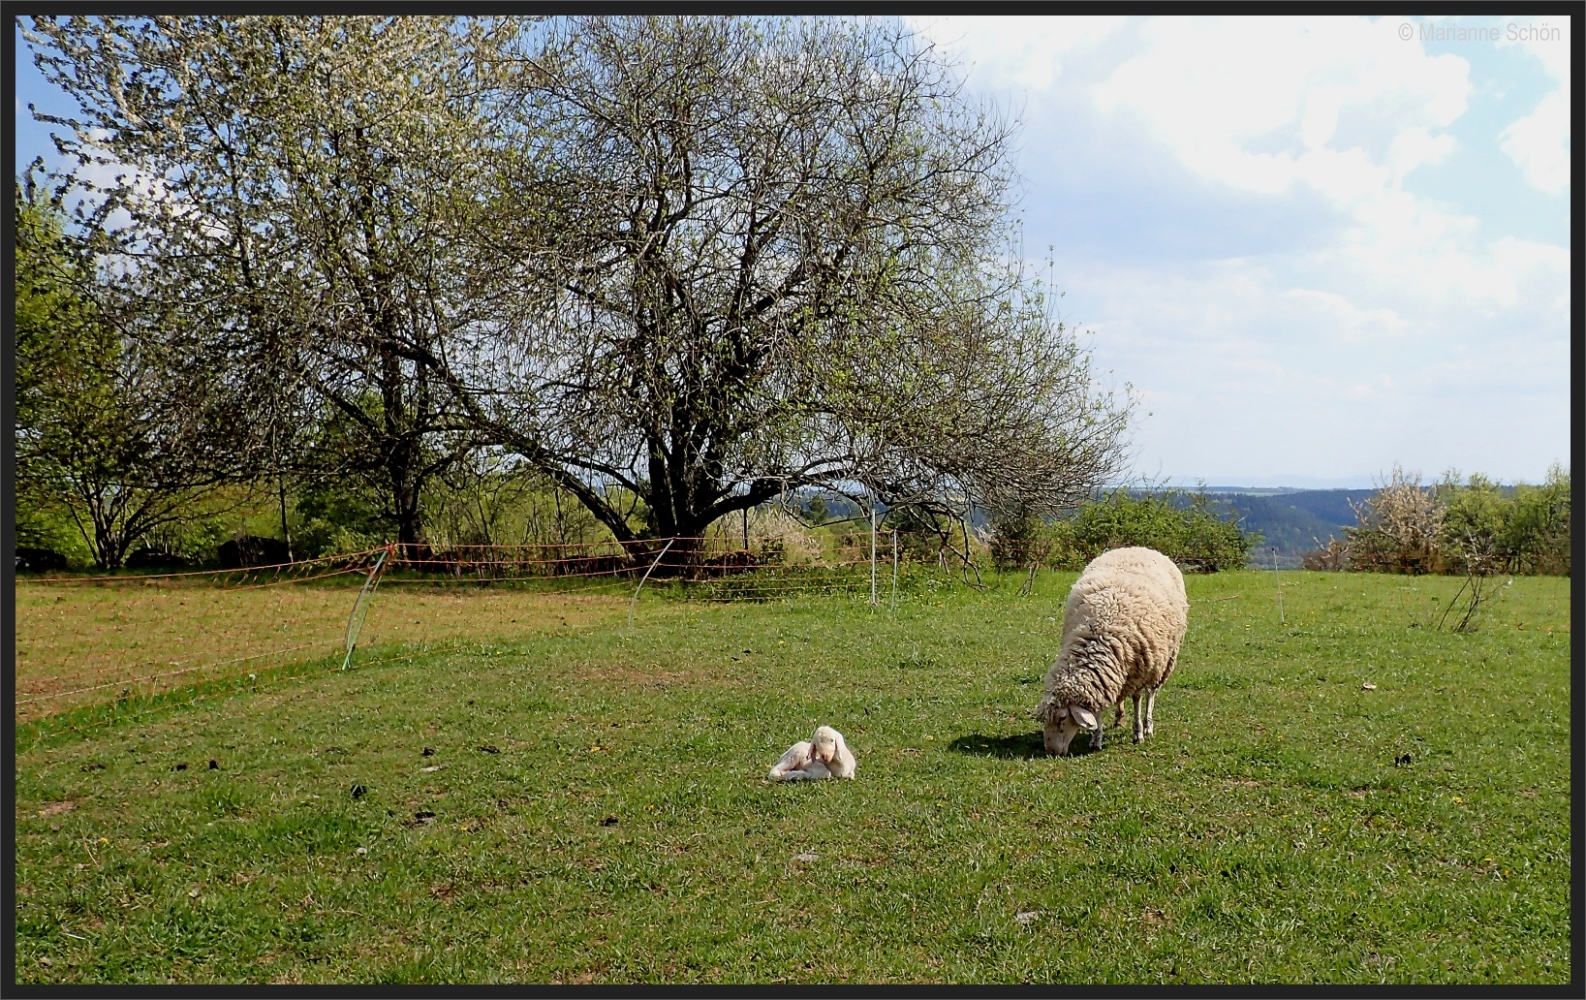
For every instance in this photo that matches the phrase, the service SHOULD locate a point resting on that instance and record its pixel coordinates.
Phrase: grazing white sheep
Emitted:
(825, 755)
(1123, 624)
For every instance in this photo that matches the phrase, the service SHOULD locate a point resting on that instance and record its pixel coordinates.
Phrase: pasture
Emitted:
(500, 795)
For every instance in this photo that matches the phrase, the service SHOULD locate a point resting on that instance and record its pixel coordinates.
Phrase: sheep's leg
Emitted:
(1139, 723)
(1117, 718)
(1150, 712)
(1095, 737)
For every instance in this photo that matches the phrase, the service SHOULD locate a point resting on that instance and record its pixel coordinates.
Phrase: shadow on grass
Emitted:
(1020, 746)
(1025, 746)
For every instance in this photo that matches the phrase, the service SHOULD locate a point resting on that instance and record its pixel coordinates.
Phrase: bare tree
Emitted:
(748, 256)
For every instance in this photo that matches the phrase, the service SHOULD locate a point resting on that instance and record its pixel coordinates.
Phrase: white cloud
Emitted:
(1538, 143)
(1246, 370)
(1391, 327)
(1344, 319)
(1219, 93)
(1023, 51)
(1416, 147)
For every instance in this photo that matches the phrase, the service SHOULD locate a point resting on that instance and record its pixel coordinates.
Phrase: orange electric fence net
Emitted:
(87, 640)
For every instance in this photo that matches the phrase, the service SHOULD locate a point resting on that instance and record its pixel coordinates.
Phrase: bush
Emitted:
(1017, 540)
(251, 550)
(1185, 527)
(1536, 538)
(156, 558)
(31, 559)
(337, 515)
(1332, 556)
(1476, 527)
(927, 537)
(1397, 528)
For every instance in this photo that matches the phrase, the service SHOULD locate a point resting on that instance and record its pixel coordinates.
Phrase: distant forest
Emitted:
(1292, 523)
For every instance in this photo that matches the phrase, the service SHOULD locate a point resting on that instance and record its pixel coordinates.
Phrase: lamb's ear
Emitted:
(1084, 716)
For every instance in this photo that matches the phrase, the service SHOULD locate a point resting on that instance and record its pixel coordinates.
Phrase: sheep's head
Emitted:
(826, 744)
(1060, 723)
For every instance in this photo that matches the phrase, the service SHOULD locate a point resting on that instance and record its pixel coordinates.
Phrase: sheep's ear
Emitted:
(1083, 716)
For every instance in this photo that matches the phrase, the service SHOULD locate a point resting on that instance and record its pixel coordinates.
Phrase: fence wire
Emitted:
(93, 640)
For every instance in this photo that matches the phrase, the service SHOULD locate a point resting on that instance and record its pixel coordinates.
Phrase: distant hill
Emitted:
(1256, 490)
(1291, 520)
(1293, 523)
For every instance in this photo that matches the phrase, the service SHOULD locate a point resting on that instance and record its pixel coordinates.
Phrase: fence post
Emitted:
(1274, 550)
(894, 606)
(872, 553)
(360, 607)
(635, 602)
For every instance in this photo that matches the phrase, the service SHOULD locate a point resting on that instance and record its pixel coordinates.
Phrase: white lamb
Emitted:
(1123, 624)
(825, 755)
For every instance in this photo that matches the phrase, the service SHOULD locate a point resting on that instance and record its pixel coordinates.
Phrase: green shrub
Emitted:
(1017, 540)
(1475, 526)
(1183, 526)
(338, 515)
(1537, 537)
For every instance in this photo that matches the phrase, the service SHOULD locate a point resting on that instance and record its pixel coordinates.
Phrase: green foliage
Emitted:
(1474, 527)
(51, 317)
(104, 436)
(924, 536)
(339, 514)
(1536, 537)
(1017, 540)
(486, 499)
(1473, 523)
(42, 522)
(1185, 527)
(819, 514)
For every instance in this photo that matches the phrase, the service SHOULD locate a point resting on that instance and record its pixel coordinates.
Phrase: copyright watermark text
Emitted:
(1428, 32)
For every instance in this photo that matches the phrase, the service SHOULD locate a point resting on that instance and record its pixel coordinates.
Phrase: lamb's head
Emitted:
(1061, 722)
(826, 745)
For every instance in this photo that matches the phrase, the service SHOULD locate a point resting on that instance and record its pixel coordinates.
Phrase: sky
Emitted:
(1314, 248)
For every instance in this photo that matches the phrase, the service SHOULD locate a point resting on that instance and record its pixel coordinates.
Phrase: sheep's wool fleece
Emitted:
(1123, 624)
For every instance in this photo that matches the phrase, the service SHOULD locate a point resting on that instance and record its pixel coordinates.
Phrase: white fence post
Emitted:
(360, 607)
(872, 553)
(635, 602)
(1279, 581)
(894, 570)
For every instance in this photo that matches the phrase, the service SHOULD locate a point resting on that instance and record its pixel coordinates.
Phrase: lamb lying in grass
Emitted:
(824, 755)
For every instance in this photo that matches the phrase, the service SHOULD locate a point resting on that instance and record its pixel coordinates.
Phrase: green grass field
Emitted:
(592, 806)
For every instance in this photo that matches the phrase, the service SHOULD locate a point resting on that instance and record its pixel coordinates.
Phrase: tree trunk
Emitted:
(286, 532)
